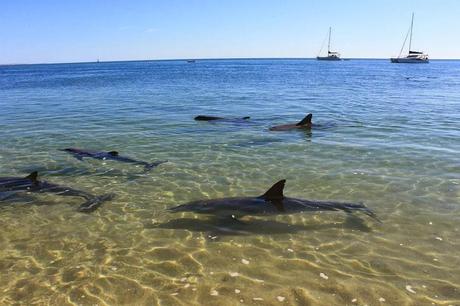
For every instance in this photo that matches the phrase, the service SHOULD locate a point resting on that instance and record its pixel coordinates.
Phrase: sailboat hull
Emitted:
(403, 60)
(328, 58)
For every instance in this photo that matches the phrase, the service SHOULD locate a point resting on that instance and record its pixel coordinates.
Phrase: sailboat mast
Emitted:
(329, 43)
(411, 26)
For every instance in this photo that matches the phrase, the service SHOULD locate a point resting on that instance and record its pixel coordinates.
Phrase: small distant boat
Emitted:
(331, 55)
(191, 61)
(413, 57)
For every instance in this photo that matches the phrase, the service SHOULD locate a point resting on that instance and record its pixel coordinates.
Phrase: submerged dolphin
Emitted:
(212, 118)
(31, 183)
(272, 202)
(305, 123)
(113, 155)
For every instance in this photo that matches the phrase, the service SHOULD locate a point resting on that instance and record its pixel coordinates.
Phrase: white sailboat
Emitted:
(331, 55)
(412, 56)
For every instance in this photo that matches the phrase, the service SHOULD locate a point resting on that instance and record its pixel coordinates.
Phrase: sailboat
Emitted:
(412, 56)
(331, 55)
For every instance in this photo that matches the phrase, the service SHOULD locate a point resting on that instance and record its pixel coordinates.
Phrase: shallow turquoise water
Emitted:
(389, 137)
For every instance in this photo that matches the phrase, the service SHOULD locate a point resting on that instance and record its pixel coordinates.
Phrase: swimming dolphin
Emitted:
(272, 202)
(212, 118)
(113, 155)
(31, 183)
(305, 123)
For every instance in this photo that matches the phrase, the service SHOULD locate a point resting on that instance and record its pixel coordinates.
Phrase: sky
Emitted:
(53, 31)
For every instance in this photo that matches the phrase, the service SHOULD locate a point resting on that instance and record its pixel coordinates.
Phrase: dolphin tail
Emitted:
(93, 203)
(150, 166)
(305, 121)
(362, 208)
(371, 214)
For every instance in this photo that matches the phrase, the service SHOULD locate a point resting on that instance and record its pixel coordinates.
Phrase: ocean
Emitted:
(388, 136)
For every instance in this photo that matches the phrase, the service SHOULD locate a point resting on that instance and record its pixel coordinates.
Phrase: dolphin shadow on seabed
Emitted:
(225, 227)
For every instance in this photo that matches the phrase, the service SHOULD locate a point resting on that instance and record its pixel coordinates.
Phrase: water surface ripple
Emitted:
(390, 139)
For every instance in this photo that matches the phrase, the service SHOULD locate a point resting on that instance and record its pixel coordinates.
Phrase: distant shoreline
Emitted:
(210, 59)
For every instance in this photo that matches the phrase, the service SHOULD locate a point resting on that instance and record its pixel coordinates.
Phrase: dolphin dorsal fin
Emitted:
(275, 192)
(33, 176)
(113, 153)
(306, 120)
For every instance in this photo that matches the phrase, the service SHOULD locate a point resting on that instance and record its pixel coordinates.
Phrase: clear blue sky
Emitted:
(36, 31)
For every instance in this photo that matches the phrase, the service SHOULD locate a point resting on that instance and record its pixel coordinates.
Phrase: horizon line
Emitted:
(210, 59)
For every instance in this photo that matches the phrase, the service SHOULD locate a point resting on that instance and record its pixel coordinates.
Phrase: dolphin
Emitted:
(305, 123)
(31, 183)
(113, 155)
(213, 118)
(272, 202)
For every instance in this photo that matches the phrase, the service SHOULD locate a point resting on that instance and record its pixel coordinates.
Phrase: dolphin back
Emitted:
(211, 118)
(94, 202)
(207, 118)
